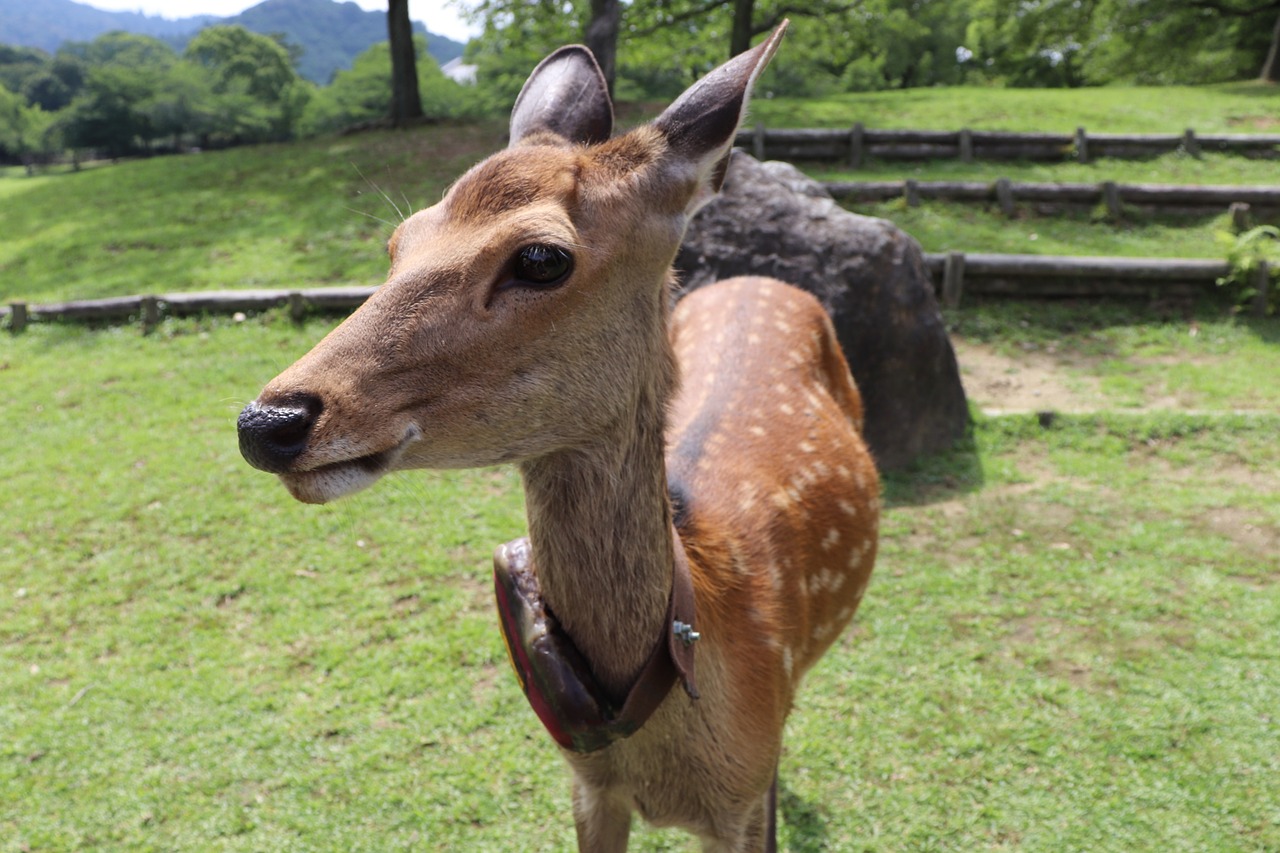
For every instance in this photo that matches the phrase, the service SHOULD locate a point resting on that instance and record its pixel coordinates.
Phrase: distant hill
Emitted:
(331, 34)
(48, 23)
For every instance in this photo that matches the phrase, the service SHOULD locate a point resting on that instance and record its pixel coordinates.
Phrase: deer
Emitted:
(702, 509)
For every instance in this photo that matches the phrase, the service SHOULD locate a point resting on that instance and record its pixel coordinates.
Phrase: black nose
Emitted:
(271, 437)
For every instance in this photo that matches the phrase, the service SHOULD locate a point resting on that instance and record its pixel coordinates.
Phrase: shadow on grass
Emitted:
(805, 823)
(938, 477)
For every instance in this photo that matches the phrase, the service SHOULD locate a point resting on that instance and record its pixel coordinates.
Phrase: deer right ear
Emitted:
(566, 95)
(701, 125)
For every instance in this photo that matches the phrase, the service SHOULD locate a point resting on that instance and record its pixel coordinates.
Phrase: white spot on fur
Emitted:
(831, 539)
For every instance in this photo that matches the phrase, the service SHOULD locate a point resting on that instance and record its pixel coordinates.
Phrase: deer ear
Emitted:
(565, 95)
(701, 125)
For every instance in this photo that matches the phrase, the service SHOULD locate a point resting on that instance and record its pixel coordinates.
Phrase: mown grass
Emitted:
(953, 226)
(279, 216)
(1226, 108)
(1071, 641)
(1191, 358)
(313, 213)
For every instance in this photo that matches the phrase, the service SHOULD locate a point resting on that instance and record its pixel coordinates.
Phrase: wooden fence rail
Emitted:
(1051, 196)
(953, 275)
(855, 145)
(957, 273)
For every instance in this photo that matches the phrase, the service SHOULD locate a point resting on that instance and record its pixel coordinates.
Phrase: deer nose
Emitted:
(272, 437)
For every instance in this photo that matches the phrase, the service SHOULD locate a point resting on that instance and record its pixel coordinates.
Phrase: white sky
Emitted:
(440, 16)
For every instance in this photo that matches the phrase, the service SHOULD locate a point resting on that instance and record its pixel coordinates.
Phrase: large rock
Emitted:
(770, 219)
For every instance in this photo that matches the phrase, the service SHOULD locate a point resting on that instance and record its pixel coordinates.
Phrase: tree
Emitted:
(361, 94)
(601, 36)
(261, 93)
(406, 102)
(24, 130)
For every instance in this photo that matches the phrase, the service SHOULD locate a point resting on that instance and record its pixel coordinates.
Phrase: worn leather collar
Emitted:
(556, 678)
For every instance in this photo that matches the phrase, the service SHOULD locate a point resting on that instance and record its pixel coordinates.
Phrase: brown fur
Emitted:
(581, 386)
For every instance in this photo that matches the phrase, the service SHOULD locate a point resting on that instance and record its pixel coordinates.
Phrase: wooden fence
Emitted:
(954, 274)
(855, 145)
(1051, 197)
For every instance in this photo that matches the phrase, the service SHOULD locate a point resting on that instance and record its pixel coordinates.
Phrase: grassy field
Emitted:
(1227, 108)
(1071, 642)
(314, 213)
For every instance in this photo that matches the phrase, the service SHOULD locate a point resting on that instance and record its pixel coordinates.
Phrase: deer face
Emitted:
(523, 314)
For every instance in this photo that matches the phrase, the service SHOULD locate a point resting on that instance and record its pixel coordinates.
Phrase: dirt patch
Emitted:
(1262, 122)
(1033, 381)
(1245, 529)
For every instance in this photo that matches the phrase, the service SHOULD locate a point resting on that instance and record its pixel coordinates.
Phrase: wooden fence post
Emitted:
(856, 143)
(1241, 216)
(1082, 145)
(1262, 283)
(297, 307)
(966, 145)
(757, 142)
(1190, 144)
(911, 191)
(953, 279)
(17, 316)
(1111, 195)
(1004, 195)
(150, 313)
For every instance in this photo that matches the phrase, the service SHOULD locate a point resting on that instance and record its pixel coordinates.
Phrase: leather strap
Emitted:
(557, 681)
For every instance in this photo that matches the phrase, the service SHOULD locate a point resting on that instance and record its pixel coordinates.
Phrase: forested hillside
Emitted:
(325, 35)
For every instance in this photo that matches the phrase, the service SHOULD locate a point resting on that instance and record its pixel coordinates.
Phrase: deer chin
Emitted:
(335, 480)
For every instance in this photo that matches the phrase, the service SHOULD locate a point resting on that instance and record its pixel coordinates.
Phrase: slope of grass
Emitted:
(312, 213)
(1071, 641)
(1226, 108)
(301, 215)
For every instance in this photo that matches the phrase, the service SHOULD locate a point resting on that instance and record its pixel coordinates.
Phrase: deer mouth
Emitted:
(334, 480)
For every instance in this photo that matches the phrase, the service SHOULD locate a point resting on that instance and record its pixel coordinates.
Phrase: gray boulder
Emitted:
(771, 219)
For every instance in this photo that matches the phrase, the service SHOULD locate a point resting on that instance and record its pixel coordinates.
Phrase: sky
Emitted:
(440, 16)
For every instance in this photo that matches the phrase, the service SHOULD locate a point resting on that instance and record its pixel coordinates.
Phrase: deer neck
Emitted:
(600, 528)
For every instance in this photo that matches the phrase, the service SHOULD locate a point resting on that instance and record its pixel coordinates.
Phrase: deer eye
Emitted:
(541, 265)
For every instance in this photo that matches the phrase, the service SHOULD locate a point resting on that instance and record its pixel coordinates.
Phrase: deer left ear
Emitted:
(566, 95)
(701, 125)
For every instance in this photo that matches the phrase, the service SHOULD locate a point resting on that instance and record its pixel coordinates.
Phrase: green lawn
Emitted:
(1226, 108)
(314, 213)
(308, 214)
(1072, 641)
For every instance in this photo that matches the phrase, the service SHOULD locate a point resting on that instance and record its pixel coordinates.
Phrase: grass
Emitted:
(1070, 643)
(1195, 358)
(278, 216)
(313, 213)
(1226, 108)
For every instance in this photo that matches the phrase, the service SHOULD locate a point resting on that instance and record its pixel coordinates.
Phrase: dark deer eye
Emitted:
(542, 265)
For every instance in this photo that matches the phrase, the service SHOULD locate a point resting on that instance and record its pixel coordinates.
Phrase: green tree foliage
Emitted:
(362, 94)
(259, 94)
(111, 114)
(24, 130)
(664, 45)
(1058, 43)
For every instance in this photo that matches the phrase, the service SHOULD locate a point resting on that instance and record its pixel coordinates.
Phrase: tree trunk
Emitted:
(740, 37)
(1271, 67)
(406, 103)
(601, 36)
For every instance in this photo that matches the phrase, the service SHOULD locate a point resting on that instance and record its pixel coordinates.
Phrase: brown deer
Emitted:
(711, 452)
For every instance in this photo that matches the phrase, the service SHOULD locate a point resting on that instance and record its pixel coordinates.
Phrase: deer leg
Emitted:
(603, 823)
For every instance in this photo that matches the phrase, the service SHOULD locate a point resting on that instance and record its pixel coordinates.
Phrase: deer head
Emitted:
(523, 315)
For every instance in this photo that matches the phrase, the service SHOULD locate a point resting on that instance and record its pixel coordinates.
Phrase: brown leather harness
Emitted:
(556, 678)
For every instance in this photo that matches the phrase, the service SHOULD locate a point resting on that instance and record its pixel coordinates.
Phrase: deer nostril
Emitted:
(272, 437)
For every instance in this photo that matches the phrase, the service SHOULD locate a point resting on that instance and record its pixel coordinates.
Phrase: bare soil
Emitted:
(1033, 381)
